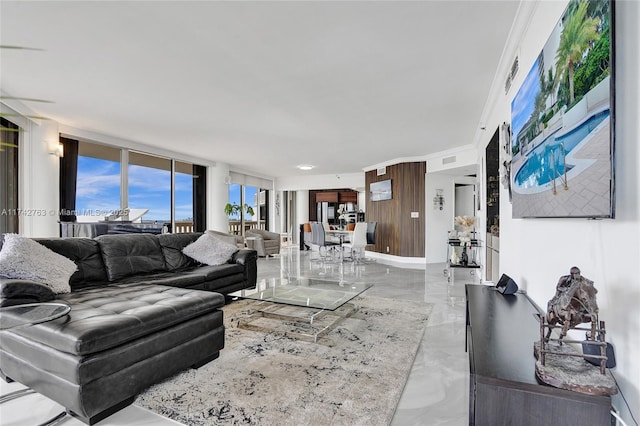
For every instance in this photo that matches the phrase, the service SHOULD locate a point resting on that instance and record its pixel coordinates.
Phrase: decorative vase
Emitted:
(464, 258)
(454, 258)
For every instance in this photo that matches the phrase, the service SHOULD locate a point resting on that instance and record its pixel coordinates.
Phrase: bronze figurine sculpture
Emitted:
(574, 303)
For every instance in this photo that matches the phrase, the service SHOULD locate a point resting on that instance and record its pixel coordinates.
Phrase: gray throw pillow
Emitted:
(210, 250)
(23, 258)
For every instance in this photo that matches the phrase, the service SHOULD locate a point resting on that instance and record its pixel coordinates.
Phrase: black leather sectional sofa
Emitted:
(138, 315)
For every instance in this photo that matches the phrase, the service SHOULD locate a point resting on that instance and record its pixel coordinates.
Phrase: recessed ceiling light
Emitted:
(305, 167)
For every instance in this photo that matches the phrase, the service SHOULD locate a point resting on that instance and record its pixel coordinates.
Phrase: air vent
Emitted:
(382, 171)
(511, 75)
(449, 160)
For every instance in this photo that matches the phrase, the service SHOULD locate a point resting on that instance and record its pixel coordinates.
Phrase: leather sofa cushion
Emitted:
(187, 277)
(106, 317)
(85, 252)
(219, 271)
(172, 245)
(131, 254)
(183, 280)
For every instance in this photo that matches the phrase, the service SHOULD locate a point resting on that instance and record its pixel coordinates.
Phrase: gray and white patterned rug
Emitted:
(354, 375)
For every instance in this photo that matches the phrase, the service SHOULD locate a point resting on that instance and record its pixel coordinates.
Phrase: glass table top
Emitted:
(308, 292)
(30, 314)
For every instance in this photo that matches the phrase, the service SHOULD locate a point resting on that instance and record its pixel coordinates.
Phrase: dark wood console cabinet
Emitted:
(503, 389)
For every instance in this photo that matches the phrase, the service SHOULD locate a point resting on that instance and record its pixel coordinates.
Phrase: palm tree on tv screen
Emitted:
(578, 34)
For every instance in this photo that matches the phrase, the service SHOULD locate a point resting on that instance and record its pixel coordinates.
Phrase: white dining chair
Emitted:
(357, 242)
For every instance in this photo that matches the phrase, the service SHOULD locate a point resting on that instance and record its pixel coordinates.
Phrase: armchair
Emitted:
(266, 243)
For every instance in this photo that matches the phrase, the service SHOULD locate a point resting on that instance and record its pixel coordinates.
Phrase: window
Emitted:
(97, 182)
(159, 190)
(253, 215)
(149, 186)
(184, 192)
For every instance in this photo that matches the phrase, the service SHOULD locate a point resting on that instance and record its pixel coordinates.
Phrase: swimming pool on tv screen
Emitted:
(548, 159)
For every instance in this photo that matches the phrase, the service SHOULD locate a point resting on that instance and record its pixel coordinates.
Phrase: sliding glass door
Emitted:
(247, 208)
(9, 173)
(149, 188)
(155, 192)
(97, 182)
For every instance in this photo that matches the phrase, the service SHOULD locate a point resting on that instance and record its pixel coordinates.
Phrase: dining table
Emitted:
(341, 234)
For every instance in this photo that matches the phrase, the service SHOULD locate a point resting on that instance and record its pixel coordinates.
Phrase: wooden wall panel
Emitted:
(331, 197)
(396, 229)
(348, 197)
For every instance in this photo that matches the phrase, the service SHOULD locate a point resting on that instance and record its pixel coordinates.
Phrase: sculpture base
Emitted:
(572, 372)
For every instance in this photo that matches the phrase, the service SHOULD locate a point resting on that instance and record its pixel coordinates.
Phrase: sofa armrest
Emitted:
(18, 292)
(249, 259)
(244, 256)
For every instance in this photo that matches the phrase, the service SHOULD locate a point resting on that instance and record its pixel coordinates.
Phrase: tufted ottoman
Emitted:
(116, 341)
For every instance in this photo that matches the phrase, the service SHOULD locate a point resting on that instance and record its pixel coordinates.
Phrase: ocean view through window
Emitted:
(97, 182)
(151, 197)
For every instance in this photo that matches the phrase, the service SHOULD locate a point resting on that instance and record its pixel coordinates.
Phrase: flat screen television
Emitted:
(379, 191)
(562, 120)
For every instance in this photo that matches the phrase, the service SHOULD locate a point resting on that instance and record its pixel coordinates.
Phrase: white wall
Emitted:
(464, 201)
(455, 158)
(217, 197)
(536, 252)
(38, 195)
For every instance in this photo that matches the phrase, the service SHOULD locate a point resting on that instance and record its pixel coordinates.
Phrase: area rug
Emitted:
(354, 375)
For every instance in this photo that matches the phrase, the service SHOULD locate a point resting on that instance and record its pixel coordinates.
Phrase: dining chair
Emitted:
(349, 227)
(371, 232)
(307, 239)
(319, 239)
(326, 227)
(358, 241)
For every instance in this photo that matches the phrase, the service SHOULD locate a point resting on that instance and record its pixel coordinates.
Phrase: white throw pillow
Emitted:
(210, 250)
(26, 259)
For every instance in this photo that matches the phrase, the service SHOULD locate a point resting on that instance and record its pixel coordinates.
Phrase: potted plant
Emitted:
(235, 210)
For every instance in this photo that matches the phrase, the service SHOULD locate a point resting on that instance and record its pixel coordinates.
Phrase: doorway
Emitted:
(457, 187)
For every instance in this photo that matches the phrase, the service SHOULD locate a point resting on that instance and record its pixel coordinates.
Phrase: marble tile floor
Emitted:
(436, 392)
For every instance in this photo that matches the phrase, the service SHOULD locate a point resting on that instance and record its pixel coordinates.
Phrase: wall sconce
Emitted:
(438, 200)
(58, 151)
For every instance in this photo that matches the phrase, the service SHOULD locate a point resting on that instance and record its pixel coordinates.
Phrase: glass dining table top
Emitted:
(30, 314)
(307, 292)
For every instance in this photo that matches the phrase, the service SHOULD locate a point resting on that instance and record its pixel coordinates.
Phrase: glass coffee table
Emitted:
(306, 307)
(30, 314)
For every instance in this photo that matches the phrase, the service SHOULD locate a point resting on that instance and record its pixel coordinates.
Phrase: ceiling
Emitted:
(262, 86)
